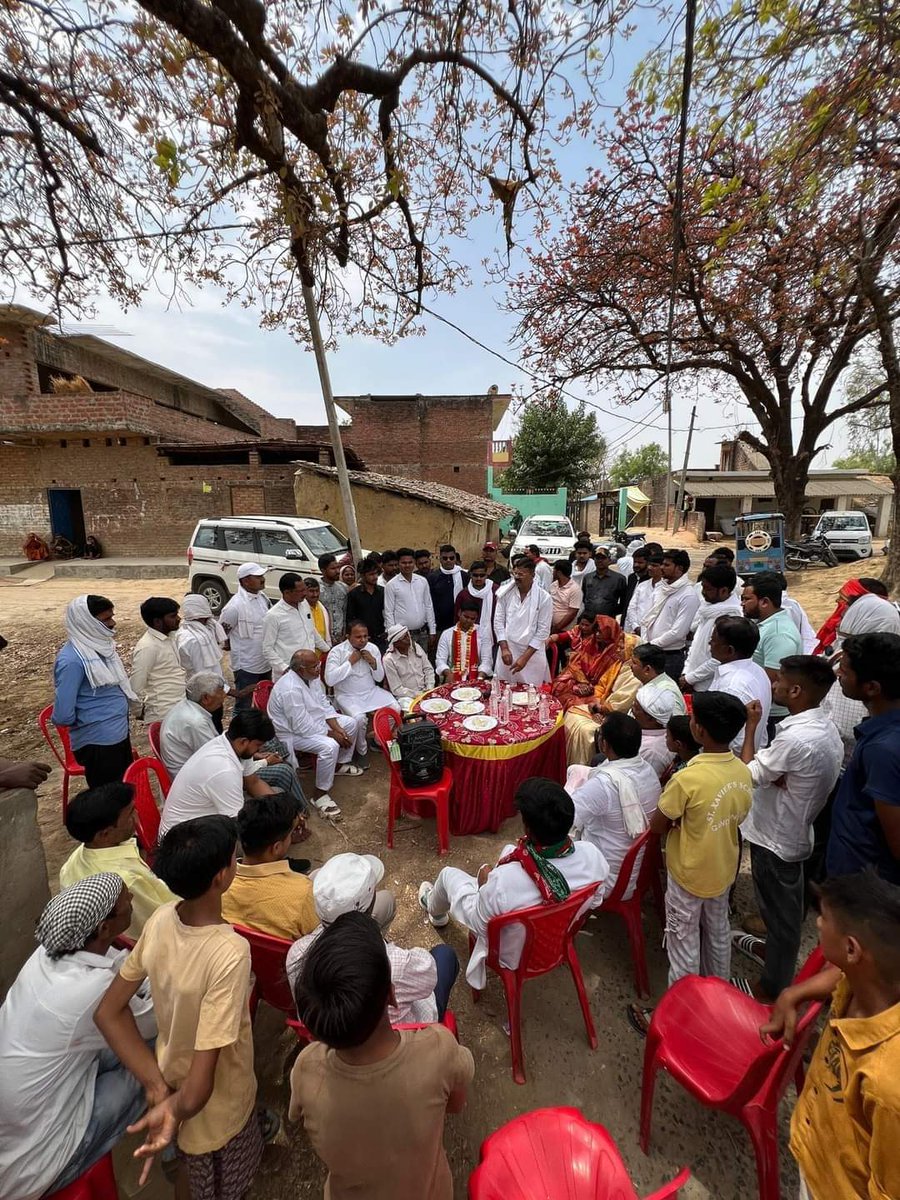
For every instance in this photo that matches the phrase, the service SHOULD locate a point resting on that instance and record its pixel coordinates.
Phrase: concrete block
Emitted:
(23, 871)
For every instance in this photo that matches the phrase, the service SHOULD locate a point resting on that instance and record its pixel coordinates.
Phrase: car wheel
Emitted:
(214, 592)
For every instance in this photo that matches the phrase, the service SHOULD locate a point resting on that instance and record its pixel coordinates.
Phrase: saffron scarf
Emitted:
(535, 862)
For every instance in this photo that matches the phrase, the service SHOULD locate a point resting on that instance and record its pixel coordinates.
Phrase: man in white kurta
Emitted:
(462, 654)
(717, 584)
(522, 621)
(305, 720)
(288, 626)
(242, 619)
(406, 667)
(354, 669)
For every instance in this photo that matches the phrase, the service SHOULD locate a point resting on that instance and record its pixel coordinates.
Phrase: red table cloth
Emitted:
(488, 767)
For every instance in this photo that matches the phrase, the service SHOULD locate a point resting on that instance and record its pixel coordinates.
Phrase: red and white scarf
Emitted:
(464, 660)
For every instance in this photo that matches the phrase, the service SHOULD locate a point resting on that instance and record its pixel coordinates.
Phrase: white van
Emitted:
(847, 533)
(221, 544)
(553, 535)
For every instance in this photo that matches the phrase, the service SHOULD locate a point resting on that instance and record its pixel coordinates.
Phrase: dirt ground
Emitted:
(604, 1084)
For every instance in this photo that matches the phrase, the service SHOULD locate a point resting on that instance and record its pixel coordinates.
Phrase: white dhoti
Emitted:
(357, 701)
(536, 670)
(327, 751)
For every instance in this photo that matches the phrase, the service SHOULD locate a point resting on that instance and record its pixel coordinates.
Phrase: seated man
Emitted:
(354, 669)
(102, 818)
(305, 721)
(213, 780)
(614, 804)
(462, 654)
(266, 894)
(373, 1098)
(65, 1099)
(544, 866)
(421, 979)
(406, 667)
(648, 665)
(652, 709)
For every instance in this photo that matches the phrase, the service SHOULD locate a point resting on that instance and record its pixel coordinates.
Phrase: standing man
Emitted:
(604, 590)
(671, 614)
(446, 583)
(522, 621)
(779, 637)
(479, 588)
(157, 676)
(242, 619)
(543, 572)
(289, 626)
(366, 602)
(495, 573)
(320, 616)
(390, 565)
(642, 597)
(582, 562)
(565, 596)
(93, 693)
(718, 600)
(407, 601)
(354, 669)
(461, 656)
(407, 668)
(733, 644)
(333, 594)
(423, 563)
(640, 572)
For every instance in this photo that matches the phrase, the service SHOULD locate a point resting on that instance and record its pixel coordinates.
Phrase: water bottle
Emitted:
(532, 698)
(494, 704)
(544, 707)
(495, 685)
(504, 707)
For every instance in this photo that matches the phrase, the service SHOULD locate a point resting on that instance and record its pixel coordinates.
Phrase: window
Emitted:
(834, 522)
(456, 470)
(324, 539)
(241, 541)
(206, 537)
(545, 528)
(275, 542)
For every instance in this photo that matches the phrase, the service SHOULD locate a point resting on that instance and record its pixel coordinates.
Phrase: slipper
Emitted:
(639, 1018)
(326, 807)
(300, 835)
(749, 946)
(742, 985)
(348, 769)
(269, 1124)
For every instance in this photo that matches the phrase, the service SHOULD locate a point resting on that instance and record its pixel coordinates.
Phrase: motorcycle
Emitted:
(800, 555)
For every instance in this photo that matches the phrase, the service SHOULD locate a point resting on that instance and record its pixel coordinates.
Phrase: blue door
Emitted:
(66, 514)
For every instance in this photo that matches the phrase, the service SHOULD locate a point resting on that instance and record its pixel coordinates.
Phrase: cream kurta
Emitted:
(523, 621)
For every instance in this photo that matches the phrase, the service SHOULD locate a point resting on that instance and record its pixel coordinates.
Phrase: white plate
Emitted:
(468, 708)
(435, 705)
(519, 698)
(466, 693)
(480, 724)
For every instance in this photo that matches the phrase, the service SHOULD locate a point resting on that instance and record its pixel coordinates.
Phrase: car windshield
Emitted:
(535, 527)
(830, 524)
(323, 539)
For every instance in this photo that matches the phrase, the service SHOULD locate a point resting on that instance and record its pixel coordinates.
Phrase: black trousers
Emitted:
(675, 663)
(105, 764)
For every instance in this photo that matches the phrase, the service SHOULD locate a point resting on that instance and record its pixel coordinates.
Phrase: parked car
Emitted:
(219, 545)
(848, 533)
(553, 535)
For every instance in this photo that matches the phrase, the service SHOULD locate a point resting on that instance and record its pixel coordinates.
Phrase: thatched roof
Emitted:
(417, 489)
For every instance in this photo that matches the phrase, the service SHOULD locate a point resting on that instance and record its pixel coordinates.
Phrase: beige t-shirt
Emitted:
(200, 979)
(379, 1128)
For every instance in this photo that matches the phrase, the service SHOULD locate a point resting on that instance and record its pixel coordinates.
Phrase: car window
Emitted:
(206, 537)
(239, 540)
(275, 542)
(533, 528)
(830, 524)
(324, 539)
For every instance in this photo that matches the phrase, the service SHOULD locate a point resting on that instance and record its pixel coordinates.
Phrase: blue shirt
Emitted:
(95, 716)
(873, 774)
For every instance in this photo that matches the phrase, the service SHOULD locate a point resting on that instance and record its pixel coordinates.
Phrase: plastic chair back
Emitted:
(261, 694)
(153, 738)
(97, 1183)
(555, 1152)
(267, 958)
(644, 880)
(385, 724)
(549, 928)
(57, 738)
(146, 809)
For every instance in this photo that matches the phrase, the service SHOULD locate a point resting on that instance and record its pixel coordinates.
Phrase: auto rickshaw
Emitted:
(759, 538)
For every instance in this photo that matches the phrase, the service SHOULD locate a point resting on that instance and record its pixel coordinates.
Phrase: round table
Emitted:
(488, 767)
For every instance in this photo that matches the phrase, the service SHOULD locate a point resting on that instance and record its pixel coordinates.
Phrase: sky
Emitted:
(222, 346)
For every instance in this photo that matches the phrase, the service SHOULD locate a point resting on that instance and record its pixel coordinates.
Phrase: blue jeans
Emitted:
(243, 679)
(447, 969)
(118, 1102)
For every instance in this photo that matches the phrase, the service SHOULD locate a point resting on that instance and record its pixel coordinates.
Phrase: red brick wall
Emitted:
(18, 374)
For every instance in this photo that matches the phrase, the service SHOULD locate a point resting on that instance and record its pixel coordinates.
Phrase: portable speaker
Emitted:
(421, 753)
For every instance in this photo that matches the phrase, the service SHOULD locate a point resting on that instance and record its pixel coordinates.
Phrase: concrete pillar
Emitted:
(841, 503)
(883, 516)
(23, 870)
(747, 504)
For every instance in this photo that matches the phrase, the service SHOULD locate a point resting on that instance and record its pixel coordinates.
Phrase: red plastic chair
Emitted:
(97, 1183)
(153, 738)
(267, 958)
(146, 810)
(62, 751)
(385, 724)
(549, 942)
(448, 1021)
(556, 1154)
(261, 694)
(705, 1033)
(630, 910)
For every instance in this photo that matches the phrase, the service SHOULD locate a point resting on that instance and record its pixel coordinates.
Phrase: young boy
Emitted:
(266, 893)
(321, 619)
(373, 1099)
(792, 779)
(680, 742)
(846, 1125)
(102, 818)
(200, 1086)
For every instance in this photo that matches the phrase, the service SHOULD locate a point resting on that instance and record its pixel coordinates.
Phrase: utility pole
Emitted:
(337, 445)
(679, 495)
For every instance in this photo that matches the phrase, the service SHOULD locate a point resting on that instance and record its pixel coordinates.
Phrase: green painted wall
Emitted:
(528, 503)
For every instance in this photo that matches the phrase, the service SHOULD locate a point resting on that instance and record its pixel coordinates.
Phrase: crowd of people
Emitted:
(705, 711)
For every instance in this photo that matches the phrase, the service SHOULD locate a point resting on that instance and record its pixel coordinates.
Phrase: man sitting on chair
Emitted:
(543, 867)
(460, 657)
(406, 667)
(354, 669)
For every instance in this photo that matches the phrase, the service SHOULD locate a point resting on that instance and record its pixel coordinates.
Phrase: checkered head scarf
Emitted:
(71, 917)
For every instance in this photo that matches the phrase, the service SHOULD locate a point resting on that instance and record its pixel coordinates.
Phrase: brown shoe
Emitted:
(755, 924)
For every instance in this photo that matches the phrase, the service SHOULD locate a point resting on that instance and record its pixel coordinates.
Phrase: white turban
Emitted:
(658, 703)
(395, 633)
(195, 608)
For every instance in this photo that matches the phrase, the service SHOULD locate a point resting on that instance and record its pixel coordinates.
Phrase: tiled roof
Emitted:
(418, 489)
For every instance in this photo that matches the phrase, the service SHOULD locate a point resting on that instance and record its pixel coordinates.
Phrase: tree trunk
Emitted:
(790, 473)
(890, 360)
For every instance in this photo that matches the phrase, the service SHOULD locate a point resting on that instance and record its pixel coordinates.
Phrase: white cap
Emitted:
(246, 569)
(659, 703)
(395, 633)
(346, 883)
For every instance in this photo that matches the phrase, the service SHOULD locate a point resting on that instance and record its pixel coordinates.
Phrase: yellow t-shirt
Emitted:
(709, 798)
(272, 898)
(147, 891)
(200, 980)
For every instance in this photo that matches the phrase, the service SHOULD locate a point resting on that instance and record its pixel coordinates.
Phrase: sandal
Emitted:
(348, 769)
(749, 946)
(326, 807)
(639, 1018)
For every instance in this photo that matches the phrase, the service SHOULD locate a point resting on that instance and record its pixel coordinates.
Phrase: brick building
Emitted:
(442, 439)
(139, 457)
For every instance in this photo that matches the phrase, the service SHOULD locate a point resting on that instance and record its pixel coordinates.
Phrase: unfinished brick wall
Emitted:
(18, 373)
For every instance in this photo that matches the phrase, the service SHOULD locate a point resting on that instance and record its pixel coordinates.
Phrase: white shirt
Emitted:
(199, 649)
(408, 602)
(700, 666)
(49, 1050)
(242, 619)
(806, 753)
(598, 813)
(655, 752)
(157, 676)
(801, 620)
(299, 709)
(638, 606)
(543, 574)
(211, 781)
(444, 657)
(670, 627)
(748, 681)
(523, 622)
(187, 727)
(355, 684)
(287, 629)
(408, 675)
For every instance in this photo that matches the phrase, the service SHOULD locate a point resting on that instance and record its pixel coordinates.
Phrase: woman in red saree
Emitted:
(597, 680)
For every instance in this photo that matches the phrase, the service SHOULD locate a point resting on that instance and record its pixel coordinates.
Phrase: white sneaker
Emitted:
(425, 890)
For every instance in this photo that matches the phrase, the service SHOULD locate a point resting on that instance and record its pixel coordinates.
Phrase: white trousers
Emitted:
(361, 703)
(456, 892)
(328, 753)
(804, 1193)
(698, 934)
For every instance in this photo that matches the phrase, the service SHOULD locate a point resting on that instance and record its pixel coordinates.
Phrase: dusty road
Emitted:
(561, 1069)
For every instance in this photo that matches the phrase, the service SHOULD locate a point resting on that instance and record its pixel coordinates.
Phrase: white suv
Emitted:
(221, 544)
(553, 535)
